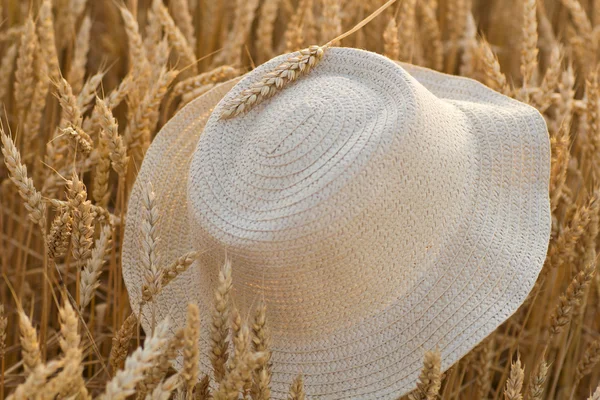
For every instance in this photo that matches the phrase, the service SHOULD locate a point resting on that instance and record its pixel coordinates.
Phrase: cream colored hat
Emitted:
(381, 210)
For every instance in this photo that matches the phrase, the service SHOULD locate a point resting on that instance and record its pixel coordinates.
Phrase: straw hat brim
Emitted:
(494, 267)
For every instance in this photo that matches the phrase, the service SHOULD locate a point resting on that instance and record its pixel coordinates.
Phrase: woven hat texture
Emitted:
(381, 210)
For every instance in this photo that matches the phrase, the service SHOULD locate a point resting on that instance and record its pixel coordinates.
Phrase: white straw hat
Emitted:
(381, 210)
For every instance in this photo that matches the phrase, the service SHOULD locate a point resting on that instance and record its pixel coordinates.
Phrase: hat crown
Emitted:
(344, 161)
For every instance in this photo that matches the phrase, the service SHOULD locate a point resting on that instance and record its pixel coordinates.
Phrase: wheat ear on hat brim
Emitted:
(288, 71)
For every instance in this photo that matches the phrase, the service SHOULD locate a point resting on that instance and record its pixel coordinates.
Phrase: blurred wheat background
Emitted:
(84, 88)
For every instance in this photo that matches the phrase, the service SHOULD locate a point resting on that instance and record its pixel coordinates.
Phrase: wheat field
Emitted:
(86, 85)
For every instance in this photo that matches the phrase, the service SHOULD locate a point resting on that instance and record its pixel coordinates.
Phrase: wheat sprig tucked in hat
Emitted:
(381, 210)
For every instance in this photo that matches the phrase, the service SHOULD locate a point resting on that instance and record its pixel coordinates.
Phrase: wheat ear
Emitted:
(163, 390)
(260, 343)
(110, 135)
(191, 351)
(83, 219)
(202, 390)
(47, 40)
(24, 75)
(514, 383)
(82, 47)
(433, 36)
(536, 384)
(149, 255)
(120, 342)
(391, 45)
(491, 68)
(220, 320)
(529, 50)
(176, 37)
(30, 346)
(183, 20)
(6, 69)
(18, 175)
(177, 267)
(93, 268)
(430, 378)
(60, 233)
(123, 383)
(266, 26)
(287, 72)
(36, 380)
(569, 300)
(297, 389)
(100, 193)
(590, 359)
(159, 370)
(283, 75)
